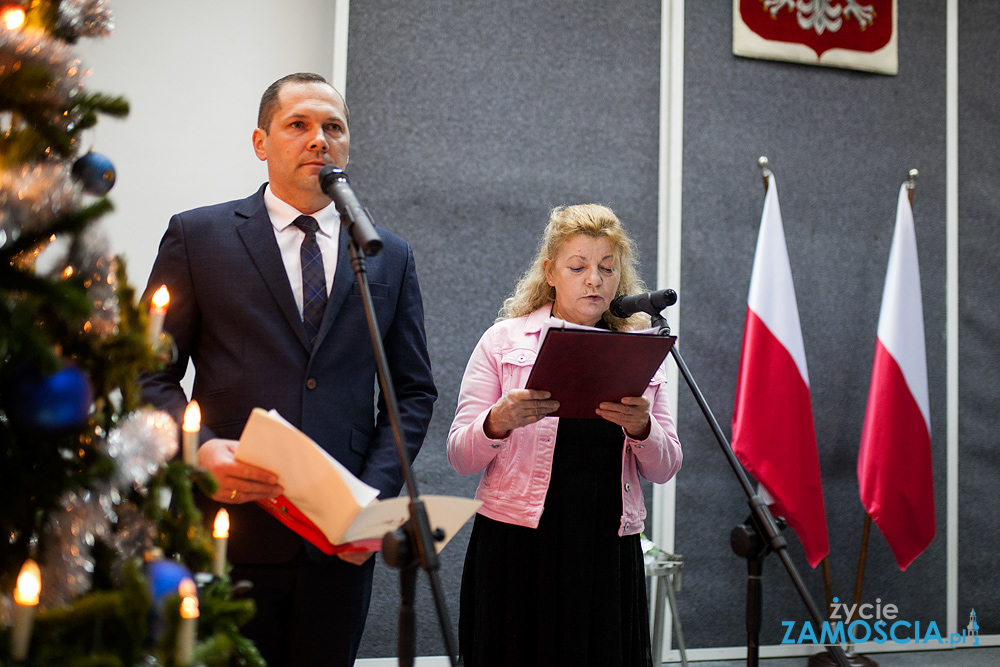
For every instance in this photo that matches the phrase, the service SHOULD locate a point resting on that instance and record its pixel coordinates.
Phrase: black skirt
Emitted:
(571, 592)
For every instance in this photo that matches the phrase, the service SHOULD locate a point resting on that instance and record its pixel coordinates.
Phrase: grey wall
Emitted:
(840, 143)
(469, 121)
(979, 247)
(193, 73)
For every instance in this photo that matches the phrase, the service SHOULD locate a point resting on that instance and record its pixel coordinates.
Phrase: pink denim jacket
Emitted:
(519, 466)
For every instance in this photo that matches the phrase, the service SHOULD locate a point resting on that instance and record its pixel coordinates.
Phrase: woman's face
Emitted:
(584, 277)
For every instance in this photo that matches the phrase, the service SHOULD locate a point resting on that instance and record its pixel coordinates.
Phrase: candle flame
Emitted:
(161, 298)
(29, 584)
(192, 418)
(12, 17)
(220, 530)
(189, 607)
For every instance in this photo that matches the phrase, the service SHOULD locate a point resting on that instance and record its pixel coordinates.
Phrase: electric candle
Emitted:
(12, 17)
(157, 312)
(220, 532)
(29, 585)
(192, 433)
(188, 626)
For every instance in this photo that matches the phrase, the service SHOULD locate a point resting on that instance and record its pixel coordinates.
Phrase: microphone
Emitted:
(333, 183)
(648, 302)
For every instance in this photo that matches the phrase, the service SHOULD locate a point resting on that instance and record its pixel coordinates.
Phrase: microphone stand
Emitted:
(413, 543)
(759, 535)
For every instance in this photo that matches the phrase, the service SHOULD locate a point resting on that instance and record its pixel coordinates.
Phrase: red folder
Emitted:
(583, 369)
(324, 501)
(287, 513)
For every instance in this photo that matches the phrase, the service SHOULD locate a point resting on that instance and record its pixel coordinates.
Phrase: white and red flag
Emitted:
(894, 461)
(773, 432)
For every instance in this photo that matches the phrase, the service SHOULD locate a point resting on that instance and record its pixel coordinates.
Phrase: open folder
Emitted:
(584, 367)
(323, 501)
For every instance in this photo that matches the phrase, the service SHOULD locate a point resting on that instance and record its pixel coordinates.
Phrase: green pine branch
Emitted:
(72, 222)
(29, 95)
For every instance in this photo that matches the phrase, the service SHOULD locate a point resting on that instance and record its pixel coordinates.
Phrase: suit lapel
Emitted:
(257, 235)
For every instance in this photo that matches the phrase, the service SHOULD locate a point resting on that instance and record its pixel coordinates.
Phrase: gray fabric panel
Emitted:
(979, 319)
(469, 122)
(840, 143)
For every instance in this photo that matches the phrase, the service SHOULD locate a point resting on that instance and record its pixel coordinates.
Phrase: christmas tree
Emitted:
(103, 557)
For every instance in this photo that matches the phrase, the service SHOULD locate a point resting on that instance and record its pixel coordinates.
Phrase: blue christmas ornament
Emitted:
(52, 403)
(163, 578)
(95, 173)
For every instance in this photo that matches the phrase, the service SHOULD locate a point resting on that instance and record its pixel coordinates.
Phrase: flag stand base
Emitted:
(854, 659)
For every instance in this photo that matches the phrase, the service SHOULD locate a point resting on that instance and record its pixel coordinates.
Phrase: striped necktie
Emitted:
(313, 277)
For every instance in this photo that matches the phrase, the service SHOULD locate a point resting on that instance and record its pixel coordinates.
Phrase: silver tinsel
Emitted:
(85, 18)
(72, 531)
(103, 291)
(90, 259)
(134, 535)
(34, 195)
(145, 439)
(30, 48)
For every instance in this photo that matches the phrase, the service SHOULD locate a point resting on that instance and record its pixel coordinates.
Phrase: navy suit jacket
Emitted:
(232, 312)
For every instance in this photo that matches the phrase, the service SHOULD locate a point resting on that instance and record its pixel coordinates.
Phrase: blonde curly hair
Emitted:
(597, 221)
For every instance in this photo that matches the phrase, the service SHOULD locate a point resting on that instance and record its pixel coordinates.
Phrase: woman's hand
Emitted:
(517, 408)
(631, 413)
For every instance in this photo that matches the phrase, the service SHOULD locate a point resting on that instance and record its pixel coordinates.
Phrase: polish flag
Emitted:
(773, 432)
(894, 461)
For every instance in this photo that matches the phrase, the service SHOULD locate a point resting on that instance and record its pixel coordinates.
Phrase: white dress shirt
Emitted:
(289, 238)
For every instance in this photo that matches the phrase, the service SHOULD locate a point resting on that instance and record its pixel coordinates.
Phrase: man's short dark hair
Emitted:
(269, 100)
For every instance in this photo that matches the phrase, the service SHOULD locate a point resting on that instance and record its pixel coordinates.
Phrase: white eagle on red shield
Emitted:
(821, 24)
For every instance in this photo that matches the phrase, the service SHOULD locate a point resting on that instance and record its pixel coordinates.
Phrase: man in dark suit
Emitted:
(248, 306)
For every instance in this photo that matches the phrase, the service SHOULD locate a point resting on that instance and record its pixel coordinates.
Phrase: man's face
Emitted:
(308, 131)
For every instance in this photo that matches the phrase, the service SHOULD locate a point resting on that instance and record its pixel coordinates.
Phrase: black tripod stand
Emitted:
(412, 544)
(759, 535)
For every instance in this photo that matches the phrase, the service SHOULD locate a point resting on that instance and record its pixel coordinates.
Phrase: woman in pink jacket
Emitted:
(554, 572)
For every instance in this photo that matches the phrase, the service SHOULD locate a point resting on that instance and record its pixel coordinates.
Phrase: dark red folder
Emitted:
(585, 368)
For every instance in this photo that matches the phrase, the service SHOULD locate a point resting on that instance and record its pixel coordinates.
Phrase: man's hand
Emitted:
(238, 482)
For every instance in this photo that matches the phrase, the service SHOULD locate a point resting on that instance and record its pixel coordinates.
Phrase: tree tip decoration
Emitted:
(92, 492)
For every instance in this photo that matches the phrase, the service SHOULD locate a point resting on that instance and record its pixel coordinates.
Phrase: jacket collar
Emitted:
(535, 320)
(255, 229)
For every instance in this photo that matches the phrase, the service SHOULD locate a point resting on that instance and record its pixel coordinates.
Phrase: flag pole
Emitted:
(827, 584)
(911, 184)
(857, 659)
(762, 532)
(822, 658)
(764, 171)
(861, 563)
